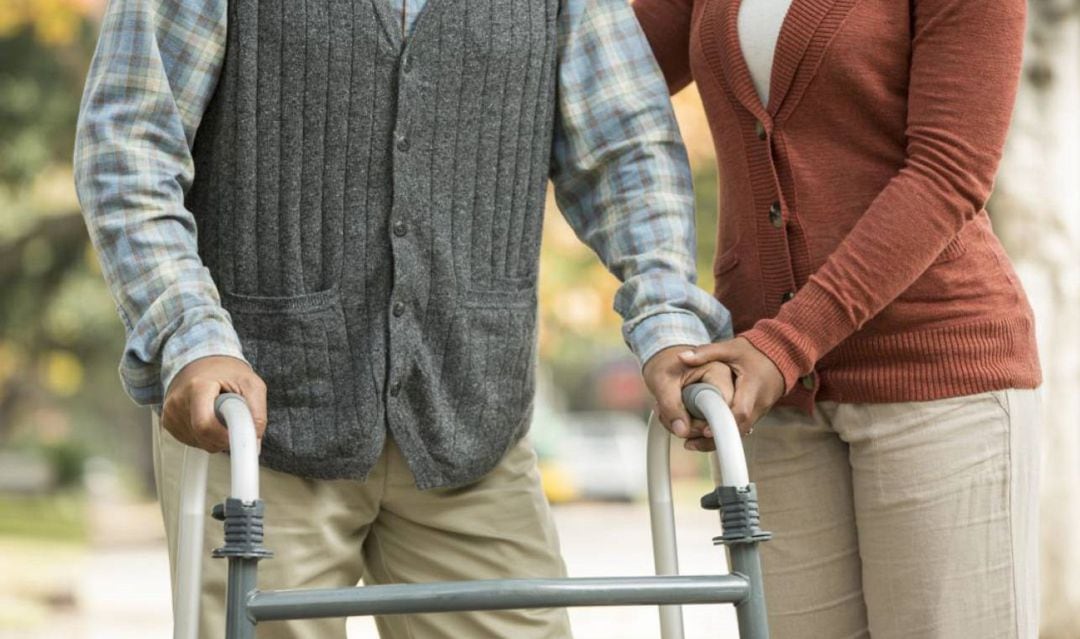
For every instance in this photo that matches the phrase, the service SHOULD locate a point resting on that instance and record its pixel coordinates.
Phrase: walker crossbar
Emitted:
(247, 606)
(503, 594)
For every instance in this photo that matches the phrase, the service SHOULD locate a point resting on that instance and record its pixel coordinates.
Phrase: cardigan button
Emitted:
(776, 215)
(759, 129)
(790, 295)
(807, 381)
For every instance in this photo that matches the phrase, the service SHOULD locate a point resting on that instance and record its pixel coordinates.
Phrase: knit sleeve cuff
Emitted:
(806, 329)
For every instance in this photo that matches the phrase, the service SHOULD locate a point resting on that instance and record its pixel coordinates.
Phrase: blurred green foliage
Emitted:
(53, 518)
(59, 333)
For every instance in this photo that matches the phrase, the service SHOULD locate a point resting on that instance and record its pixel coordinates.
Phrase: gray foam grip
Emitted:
(221, 400)
(690, 396)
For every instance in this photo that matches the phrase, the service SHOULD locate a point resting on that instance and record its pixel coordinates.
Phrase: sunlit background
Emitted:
(81, 545)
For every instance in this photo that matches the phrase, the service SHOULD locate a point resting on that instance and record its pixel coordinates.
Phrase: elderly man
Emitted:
(333, 208)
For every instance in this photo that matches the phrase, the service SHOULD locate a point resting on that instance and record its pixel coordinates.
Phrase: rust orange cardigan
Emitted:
(854, 247)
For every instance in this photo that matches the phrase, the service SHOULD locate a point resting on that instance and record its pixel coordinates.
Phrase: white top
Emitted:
(759, 28)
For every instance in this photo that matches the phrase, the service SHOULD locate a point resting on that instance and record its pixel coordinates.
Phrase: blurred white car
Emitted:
(591, 455)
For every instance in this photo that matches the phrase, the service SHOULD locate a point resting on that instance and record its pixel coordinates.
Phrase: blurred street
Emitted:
(123, 593)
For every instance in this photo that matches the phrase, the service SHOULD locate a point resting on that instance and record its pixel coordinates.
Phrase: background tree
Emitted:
(1036, 210)
(59, 334)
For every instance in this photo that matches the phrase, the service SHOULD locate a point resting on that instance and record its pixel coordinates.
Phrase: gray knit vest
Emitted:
(370, 208)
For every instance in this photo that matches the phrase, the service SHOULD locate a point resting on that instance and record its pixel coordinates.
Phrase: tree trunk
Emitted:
(1036, 210)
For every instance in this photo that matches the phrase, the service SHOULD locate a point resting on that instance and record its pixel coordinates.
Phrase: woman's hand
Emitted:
(719, 375)
(665, 375)
(758, 382)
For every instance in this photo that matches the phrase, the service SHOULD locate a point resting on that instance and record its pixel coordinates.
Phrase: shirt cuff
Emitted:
(210, 337)
(664, 330)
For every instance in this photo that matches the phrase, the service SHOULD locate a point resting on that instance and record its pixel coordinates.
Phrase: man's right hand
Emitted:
(188, 411)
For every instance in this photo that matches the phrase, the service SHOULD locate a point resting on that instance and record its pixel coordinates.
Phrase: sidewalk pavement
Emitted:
(123, 592)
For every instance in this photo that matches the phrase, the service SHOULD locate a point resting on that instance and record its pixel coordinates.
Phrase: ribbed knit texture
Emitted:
(370, 208)
(853, 239)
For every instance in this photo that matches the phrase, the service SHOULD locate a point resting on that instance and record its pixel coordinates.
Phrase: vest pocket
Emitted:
(299, 346)
(491, 382)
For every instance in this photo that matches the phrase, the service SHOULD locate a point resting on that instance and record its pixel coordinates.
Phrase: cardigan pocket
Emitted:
(740, 294)
(953, 250)
(726, 261)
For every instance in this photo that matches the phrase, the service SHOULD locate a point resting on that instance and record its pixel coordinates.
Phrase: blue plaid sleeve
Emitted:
(622, 178)
(153, 72)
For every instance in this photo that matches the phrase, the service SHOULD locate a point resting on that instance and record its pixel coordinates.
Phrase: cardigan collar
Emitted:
(801, 23)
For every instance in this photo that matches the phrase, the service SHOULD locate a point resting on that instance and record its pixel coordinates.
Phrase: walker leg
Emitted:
(243, 549)
(753, 622)
(242, 581)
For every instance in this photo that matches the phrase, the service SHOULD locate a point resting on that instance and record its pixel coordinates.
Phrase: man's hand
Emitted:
(758, 382)
(188, 411)
(665, 375)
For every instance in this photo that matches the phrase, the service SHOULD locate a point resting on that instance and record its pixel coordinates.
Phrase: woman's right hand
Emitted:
(721, 376)
(758, 382)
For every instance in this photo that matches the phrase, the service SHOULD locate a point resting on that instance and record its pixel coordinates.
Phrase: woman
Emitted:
(857, 142)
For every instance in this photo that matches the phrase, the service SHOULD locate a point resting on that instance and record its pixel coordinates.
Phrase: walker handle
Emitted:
(232, 411)
(703, 401)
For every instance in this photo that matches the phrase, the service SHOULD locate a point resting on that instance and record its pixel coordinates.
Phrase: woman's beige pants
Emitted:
(332, 534)
(914, 520)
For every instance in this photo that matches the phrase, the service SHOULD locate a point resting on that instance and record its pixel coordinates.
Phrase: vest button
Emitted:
(776, 215)
(403, 144)
(807, 381)
(395, 388)
(399, 309)
(406, 63)
(401, 228)
(759, 129)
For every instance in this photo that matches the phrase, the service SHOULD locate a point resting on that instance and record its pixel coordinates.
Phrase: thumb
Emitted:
(742, 404)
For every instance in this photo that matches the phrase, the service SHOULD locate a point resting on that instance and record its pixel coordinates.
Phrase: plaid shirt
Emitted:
(618, 165)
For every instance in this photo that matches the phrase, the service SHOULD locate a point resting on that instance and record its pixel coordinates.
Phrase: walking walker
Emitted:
(242, 514)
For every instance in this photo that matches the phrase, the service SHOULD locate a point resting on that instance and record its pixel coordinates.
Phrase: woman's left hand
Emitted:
(758, 382)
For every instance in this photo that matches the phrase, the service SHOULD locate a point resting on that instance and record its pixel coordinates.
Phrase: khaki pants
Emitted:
(914, 520)
(329, 534)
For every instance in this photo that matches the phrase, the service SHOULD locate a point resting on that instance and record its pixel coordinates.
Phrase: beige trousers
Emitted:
(328, 534)
(914, 520)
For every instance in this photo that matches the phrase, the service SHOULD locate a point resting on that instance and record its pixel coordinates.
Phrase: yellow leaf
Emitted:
(63, 373)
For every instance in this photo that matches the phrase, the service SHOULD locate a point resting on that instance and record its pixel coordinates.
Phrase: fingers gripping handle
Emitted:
(704, 401)
(232, 411)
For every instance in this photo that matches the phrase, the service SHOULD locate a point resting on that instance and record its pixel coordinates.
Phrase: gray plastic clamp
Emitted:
(739, 515)
(243, 529)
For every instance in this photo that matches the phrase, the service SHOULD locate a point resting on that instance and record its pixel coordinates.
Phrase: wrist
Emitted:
(780, 349)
